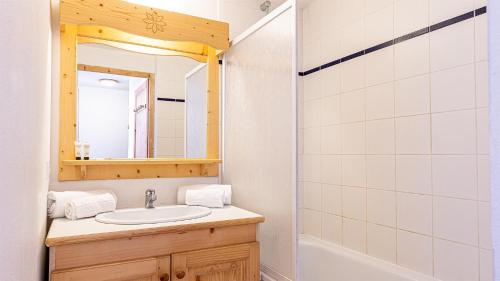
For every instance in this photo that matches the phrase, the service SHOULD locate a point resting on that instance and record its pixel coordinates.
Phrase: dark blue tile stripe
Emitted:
(379, 46)
(400, 39)
(480, 11)
(171, 100)
(451, 21)
(412, 35)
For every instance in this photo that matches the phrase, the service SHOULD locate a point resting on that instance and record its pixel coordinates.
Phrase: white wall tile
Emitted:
(354, 202)
(482, 94)
(350, 10)
(483, 177)
(380, 137)
(481, 28)
(380, 101)
(455, 176)
(352, 37)
(441, 10)
(312, 140)
(354, 234)
(456, 41)
(380, 26)
(453, 89)
(480, 3)
(381, 242)
(330, 110)
(330, 44)
(354, 170)
(412, 96)
(486, 265)
(331, 169)
(484, 215)
(179, 128)
(381, 207)
(454, 132)
(483, 131)
(411, 57)
(380, 171)
(414, 251)
(414, 213)
(332, 199)
(376, 5)
(413, 135)
(413, 173)
(311, 222)
(352, 74)
(312, 113)
(330, 79)
(332, 228)
(312, 53)
(312, 87)
(311, 168)
(352, 106)
(380, 66)
(312, 196)
(453, 261)
(456, 220)
(410, 15)
(179, 147)
(331, 140)
(353, 138)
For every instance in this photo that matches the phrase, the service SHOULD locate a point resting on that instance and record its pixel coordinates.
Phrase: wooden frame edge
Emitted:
(67, 118)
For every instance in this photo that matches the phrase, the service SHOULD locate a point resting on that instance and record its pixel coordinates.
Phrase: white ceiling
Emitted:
(91, 79)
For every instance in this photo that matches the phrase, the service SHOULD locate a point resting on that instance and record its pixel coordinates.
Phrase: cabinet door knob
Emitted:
(165, 277)
(180, 274)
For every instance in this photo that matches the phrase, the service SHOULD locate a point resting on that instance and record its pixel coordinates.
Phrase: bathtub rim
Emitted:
(362, 258)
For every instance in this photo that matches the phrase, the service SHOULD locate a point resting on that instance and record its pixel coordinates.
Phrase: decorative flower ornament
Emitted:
(154, 22)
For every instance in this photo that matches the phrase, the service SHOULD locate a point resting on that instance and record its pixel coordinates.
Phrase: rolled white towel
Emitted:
(211, 198)
(181, 191)
(89, 206)
(56, 200)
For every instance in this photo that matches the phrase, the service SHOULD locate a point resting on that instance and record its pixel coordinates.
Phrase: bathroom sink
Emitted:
(154, 215)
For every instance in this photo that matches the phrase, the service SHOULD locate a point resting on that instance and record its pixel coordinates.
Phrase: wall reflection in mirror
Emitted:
(133, 105)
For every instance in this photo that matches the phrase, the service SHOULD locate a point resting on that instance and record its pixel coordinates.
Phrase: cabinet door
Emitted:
(143, 270)
(232, 263)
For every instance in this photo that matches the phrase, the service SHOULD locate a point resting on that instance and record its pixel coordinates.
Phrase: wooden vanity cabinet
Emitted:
(141, 270)
(227, 253)
(231, 263)
(234, 263)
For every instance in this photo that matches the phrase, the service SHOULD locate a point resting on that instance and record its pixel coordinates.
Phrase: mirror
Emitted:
(133, 105)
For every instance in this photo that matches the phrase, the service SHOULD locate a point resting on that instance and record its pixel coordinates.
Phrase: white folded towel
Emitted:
(89, 206)
(181, 191)
(56, 201)
(211, 198)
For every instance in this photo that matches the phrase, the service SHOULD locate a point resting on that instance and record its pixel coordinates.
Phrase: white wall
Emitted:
(103, 120)
(130, 192)
(494, 79)
(395, 142)
(259, 136)
(24, 137)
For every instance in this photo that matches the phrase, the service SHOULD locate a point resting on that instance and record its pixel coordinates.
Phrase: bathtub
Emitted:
(323, 261)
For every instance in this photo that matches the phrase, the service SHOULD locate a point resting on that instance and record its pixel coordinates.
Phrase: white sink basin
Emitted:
(155, 215)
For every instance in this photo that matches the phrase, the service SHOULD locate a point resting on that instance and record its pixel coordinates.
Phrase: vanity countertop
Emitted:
(64, 231)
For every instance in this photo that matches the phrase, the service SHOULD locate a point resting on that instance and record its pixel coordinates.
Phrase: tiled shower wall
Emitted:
(394, 143)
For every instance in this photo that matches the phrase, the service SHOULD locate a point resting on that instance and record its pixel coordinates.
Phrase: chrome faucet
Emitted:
(150, 198)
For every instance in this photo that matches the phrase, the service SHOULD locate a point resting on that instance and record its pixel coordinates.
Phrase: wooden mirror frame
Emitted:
(147, 30)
